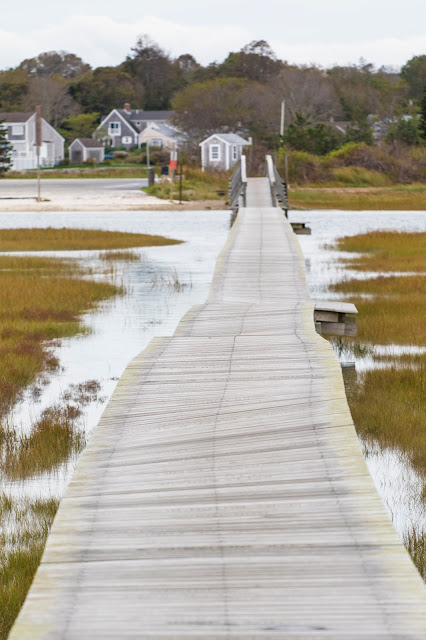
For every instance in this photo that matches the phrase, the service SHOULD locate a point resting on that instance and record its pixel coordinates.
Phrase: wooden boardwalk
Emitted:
(223, 494)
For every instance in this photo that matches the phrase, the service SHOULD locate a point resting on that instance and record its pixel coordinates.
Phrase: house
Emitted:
(222, 150)
(158, 134)
(121, 127)
(81, 149)
(21, 134)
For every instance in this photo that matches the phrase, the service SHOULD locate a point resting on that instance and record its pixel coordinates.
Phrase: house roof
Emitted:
(228, 138)
(89, 142)
(166, 130)
(16, 116)
(139, 115)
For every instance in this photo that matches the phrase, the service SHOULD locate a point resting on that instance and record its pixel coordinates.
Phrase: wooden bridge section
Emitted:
(223, 494)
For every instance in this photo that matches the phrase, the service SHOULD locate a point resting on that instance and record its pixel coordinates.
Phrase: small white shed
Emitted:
(81, 149)
(222, 150)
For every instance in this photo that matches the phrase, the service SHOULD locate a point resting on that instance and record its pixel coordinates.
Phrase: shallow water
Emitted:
(123, 327)
(398, 484)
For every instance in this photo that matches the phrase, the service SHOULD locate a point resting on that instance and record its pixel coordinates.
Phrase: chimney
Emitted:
(127, 107)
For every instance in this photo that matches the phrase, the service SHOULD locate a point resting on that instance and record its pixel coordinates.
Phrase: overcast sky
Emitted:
(300, 31)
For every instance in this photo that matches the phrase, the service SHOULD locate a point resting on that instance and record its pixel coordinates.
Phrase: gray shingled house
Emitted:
(121, 127)
(21, 133)
(81, 149)
(222, 150)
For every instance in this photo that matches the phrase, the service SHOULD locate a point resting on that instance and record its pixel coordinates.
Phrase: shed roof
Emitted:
(228, 138)
(89, 142)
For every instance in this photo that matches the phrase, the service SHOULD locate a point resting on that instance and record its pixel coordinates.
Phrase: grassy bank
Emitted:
(75, 239)
(41, 299)
(84, 172)
(196, 185)
(393, 198)
(20, 551)
(388, 404)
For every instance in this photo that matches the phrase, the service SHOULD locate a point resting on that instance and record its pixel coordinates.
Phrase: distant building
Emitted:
(81, 149)
(21, 134)
(121, 127)
(158, 134)
(222, 150)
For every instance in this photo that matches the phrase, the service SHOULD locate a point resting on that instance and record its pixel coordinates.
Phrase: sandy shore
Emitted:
(90, 195)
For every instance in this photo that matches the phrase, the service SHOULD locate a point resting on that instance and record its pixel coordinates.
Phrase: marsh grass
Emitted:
(196, 185)
(395, 198)
(170, 281)
(394, 311)
(21, 551)
(40, 301)
(120, 256)
(55, 438)
(386, 251)
(388, 403)
(65, 239)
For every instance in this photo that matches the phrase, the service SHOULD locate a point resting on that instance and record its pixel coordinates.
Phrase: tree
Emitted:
(81, 126)
(5, 150)
(319, 139)
(104, 89)
(406, 129)
(14, 85)
(55, 63)
(359, 129)
(256, 61)
(423, 115)
(226, 104)
(52, 94)
(414, 73)
(306, 91)
(155, 70)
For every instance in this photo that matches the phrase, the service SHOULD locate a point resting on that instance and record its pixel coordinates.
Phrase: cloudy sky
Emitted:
(300, 31)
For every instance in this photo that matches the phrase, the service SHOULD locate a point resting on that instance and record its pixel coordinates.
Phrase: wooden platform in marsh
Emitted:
(223, 494)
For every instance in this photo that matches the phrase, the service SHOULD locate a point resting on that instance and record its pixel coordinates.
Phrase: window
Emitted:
(234, 152)
(18, 130)
(114, 129)
(214, 152)
(155, 142)
(126, 140)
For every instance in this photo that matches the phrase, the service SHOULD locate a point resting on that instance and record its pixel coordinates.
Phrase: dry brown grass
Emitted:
(75, 239)
(196, 185)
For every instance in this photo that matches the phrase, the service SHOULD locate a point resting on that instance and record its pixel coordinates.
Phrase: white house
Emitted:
(21, 134)
(81, 149)
(222, 150)
(121, 127)
(158, 134)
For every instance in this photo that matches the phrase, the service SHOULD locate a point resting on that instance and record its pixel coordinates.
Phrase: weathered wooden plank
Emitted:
(223, 494)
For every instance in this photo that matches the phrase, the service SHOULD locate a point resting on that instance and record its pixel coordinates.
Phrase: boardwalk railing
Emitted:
(277, 184)
(238, 185)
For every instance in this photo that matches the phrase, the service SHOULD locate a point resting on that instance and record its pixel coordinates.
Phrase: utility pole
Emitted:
(38, 145)
(282, 118)
(172, 167)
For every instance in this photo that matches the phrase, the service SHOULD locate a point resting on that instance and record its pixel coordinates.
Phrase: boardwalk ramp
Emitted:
(223, 494)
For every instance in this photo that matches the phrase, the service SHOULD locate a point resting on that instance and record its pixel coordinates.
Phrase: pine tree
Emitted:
(5, 151)
(423, 115)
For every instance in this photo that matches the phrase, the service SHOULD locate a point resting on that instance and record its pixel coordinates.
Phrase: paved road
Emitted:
(55, 188)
